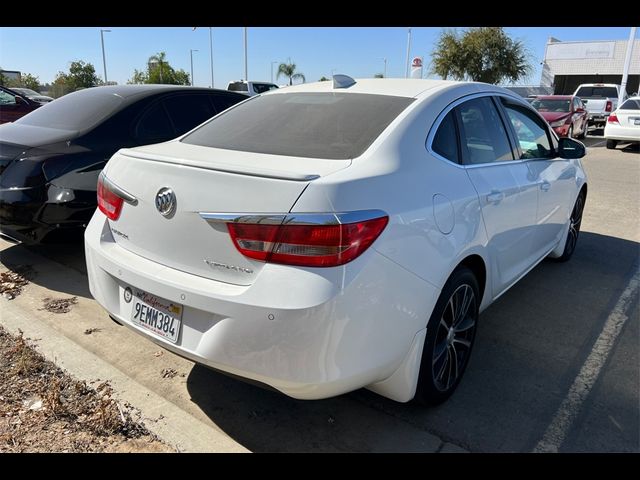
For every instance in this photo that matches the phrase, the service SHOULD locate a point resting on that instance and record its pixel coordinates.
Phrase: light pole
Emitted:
(104, 59)
(211, 53)
(406, 73)
(272, 64)
(191, 54)
(385, 67)
(246, 69)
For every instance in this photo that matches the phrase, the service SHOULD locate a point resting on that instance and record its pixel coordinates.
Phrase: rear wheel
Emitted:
(583, 134)
(611, 144)
(574, 229)
(450, 335)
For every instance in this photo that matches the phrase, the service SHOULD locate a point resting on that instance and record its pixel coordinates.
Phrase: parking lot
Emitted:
(534, 345)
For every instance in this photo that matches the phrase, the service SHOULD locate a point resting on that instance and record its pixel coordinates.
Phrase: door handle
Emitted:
(495, 197)
(545, 186)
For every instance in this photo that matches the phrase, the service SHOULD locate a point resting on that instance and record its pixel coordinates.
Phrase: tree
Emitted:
(289, 70)
(378, 75)
(160, 71)
(82, 75)
(3, 79)
(323, 79)
(484, 54)
(26, 81)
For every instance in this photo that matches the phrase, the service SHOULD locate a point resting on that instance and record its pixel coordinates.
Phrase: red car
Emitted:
(13, 105)
(566, 114)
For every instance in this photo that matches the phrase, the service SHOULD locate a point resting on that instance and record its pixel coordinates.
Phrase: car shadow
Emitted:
(69, 254)
(530, 345)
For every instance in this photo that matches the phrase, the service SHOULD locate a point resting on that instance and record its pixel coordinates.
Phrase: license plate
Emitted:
(158, 315)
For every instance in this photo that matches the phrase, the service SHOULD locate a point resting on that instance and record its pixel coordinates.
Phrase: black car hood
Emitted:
(32, 136)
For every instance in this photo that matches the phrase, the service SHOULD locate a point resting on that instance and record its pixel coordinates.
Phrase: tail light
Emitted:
(320, 244)
(613, 118)
(109, 202)
(609, 106)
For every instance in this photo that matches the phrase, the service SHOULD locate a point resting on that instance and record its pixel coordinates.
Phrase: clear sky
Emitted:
(317, 51)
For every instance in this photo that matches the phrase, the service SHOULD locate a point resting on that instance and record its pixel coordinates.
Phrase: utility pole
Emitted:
(272, 63)
(104, 59)
(627, 63)
(191, 54)
(385, 67)
(406, 73)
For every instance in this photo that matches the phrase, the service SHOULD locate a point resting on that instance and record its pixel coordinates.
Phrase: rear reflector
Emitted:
(108, 202)
(609, 106)
(318, 245)
(613, 118)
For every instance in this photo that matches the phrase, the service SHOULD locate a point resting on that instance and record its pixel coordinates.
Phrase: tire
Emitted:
(574, 229)
(611, 144)
(583, 134)
(439, 375)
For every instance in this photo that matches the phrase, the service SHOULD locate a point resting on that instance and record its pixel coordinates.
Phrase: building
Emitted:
(568, 64)
(12, 75)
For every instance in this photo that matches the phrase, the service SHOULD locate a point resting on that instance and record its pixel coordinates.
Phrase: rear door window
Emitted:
(445, 141)
(482, 134)
(154, 125)
(188, 111)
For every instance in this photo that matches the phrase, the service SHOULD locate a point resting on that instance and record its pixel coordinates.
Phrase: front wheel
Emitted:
(450, 335)
(574, 229)
(611, 144)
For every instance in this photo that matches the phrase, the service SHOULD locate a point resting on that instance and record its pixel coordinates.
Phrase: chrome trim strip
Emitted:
(126, 196)
(293, 218)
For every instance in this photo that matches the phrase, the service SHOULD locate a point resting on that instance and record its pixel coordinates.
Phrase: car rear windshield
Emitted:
(238, 87)
(597, 92)
(552, 105)
(76, 111)
(264, 87)
(333, 126)
(630, 105)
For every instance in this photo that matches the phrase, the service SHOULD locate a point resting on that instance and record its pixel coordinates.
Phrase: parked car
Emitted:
(327, 237)
(623, 125)
(251, 88)
(14, 105)
(600, 99)
(566, 114)
(33, 95)
(50, 159)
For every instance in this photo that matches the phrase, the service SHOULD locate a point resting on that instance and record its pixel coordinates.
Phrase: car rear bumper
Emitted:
(621, 133)
(30, 214)
(310, 333)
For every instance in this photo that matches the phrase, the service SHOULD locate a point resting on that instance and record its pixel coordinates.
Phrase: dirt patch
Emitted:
(59, 305)
(42, 409)
(12, 281)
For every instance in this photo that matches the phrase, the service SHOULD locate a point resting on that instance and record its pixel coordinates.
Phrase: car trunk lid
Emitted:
(204, 180)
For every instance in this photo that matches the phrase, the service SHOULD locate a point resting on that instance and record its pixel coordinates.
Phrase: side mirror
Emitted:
(571, 148)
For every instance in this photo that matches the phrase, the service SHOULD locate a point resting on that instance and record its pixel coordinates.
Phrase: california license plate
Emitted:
(158, 315)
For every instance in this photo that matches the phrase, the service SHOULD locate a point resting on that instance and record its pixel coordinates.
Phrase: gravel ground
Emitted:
(42, 409)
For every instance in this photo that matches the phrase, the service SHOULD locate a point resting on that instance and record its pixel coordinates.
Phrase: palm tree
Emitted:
(288, 70)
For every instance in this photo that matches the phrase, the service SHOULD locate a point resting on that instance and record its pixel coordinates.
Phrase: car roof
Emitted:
(397, 87)
(125, 91)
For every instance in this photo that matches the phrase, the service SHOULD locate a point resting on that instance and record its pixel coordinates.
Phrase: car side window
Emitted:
(445, 141)
(188, 111)
(154, 125)
(6, 98)
(530, 131)
(222, 101)
(483, 137)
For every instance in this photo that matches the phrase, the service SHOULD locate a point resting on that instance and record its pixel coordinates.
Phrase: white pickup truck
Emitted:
(600, 99)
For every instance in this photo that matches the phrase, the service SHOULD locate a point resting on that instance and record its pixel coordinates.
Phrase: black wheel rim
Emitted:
(454, 337)
(574, 226)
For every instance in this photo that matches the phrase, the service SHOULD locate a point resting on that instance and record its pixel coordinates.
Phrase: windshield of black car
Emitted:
(552, 105)
(75, 111)
(314, 125)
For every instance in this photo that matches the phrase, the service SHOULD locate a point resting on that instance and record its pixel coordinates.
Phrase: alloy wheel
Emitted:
(574, 227)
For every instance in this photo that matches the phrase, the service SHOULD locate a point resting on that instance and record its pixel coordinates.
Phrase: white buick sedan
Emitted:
(337, 235)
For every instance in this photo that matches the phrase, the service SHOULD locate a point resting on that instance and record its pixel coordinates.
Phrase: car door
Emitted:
(508, 210)
(552, 177)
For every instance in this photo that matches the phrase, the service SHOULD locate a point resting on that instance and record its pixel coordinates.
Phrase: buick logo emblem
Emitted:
(166, 201)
